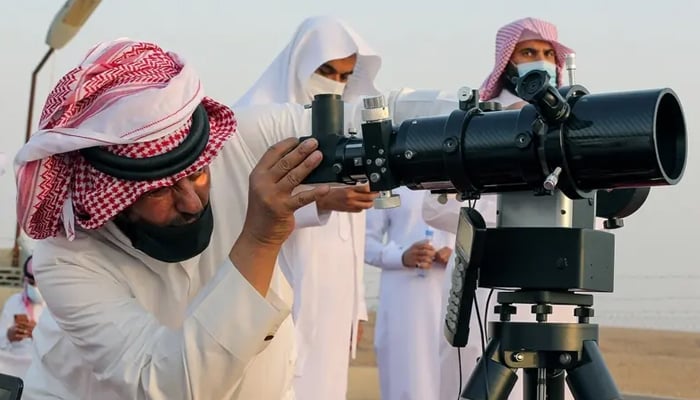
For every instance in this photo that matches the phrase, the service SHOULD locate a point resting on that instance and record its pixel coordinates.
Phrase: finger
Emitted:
(361, 188)
(426, 248)
(365, 196)
(423, 256)
(360, 205)
(293, 178)
(301, 199)
(292, 159)
(275, 152)
(420, 245)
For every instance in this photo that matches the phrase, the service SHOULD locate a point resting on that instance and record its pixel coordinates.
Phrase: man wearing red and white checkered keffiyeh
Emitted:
(154, 258)
(522, 46)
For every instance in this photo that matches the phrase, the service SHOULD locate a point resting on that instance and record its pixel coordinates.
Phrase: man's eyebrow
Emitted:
(328, 66)
(535, 50)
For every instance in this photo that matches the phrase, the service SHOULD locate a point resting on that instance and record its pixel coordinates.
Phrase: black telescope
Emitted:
(585, 141)
(566, 154)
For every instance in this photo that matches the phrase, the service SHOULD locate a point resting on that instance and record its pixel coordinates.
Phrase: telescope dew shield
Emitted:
(625, 140)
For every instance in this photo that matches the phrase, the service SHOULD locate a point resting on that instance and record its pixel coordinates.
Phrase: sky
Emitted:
(620, 46)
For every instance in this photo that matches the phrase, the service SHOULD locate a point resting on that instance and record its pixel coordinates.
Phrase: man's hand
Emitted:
(350, 199)
(20, 331)
(419, 255)
(271, 205)
(442, 256)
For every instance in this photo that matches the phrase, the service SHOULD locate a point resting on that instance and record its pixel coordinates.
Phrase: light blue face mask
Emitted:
(545, 66)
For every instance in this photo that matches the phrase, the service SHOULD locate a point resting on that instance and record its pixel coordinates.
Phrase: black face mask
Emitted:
(170, 243)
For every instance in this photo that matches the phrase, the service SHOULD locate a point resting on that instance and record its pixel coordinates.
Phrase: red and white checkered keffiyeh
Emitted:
(132, 97)
(506, 40)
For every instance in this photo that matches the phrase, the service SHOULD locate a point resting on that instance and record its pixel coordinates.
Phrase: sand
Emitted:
(657, 363)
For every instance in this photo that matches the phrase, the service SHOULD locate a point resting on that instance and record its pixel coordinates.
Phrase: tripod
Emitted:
(544, 351)
(545, 253)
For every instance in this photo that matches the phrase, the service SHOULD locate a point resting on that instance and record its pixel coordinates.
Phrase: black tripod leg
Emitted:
(554, 380)
(490, 376)
(591, 380)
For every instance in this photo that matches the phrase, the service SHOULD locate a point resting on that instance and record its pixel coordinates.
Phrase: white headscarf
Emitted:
(316, 41)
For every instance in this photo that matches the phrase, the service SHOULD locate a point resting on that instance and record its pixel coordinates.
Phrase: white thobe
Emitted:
(123, 325)
(324, 263)
(506, 98)
(323, 257)
(185, 330)
(127, 326)
(325, 267)
(16, 356)
(409, 314)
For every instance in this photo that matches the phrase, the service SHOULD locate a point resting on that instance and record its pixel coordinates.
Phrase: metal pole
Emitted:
(32, 90)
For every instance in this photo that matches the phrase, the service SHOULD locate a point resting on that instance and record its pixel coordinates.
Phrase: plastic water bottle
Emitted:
(429, 239)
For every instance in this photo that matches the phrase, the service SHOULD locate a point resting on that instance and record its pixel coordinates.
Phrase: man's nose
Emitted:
(336, 77)
(186, 198)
